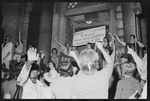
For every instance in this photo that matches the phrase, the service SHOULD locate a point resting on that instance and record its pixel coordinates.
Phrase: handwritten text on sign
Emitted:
(90, 35)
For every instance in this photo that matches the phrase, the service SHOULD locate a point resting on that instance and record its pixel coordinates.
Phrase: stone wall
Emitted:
(15, 18)
(55, 29)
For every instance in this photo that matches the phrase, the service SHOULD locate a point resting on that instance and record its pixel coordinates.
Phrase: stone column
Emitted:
(55, 31)
(62, 26)
(129, 20)
(45, 35)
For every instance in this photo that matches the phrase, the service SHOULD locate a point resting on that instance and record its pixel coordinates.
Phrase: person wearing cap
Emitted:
(127, 85)
(90, 83)
(28, 77)
(52, 74)
(33, 88)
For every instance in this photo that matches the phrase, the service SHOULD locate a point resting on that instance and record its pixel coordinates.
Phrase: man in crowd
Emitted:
(90, 83)
(32, 87)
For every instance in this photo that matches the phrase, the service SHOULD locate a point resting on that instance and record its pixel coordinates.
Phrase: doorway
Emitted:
(97, 19)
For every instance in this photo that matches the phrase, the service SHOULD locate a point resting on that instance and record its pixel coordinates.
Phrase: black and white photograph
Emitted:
(74, 50)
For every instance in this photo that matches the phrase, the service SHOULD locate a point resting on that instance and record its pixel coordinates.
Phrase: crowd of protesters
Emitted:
(94, 73)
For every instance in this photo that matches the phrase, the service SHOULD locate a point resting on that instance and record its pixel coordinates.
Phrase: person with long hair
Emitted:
(54, 57)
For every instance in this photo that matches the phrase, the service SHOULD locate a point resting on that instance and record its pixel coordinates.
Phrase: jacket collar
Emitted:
(39, 84)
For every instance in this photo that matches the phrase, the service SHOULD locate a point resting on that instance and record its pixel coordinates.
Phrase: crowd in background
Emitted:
(97, 72)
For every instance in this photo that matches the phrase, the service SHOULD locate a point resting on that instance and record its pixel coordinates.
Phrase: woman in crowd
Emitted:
(89, 45)
(54, 56)
(51, 69)
(134, 44)
(7, 49)
(73, 62)
(18, 49)
(65, 49)
(107, 46)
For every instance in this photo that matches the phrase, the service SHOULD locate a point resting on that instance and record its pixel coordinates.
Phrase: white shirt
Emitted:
(61, 87)
(19, 48)
(7, 48)
(33, 91)
(93, 87)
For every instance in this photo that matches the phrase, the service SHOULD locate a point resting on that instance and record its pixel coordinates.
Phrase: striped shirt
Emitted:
(126, 87)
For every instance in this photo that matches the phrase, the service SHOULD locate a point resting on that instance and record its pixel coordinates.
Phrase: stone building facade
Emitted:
(60, 20)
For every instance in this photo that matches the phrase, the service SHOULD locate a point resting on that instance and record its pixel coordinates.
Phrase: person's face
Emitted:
(73, 48)
(142, 83)
(51, 66)
(88, 46)
(105, 40)
(7, 38)
(123, 60)
(128, 65)
(67, 44)
(132, 65)
(131, 39)
(54, 52)
(6, 75)
(42, 79)
(34, 74)
(107, 51)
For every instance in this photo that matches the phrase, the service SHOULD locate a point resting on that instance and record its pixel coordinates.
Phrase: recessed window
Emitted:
(72, 4)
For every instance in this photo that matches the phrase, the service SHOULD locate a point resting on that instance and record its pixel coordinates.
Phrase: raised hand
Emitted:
(111, 36)
(130, 50)
(99, 45)
(72, 53)
(42, 55)
(32, 54)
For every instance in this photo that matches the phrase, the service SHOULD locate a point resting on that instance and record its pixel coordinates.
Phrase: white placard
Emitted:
(89, 35)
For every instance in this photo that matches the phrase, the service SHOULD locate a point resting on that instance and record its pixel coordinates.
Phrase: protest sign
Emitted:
(64, 63)
(89, 35)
